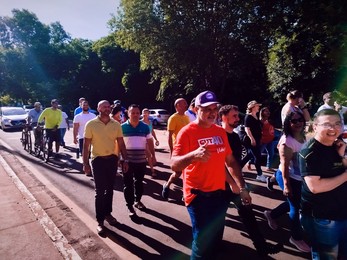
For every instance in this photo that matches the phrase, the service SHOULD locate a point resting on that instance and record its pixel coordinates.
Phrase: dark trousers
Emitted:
(53, 135)
(104, 170)
(133, 182)
(256, 153)
(248, 219)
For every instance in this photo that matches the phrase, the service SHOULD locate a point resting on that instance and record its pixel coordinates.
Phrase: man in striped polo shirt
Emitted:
(136, 137)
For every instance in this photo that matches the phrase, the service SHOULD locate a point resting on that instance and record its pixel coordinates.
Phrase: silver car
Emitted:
(159, 116)
(12, 117)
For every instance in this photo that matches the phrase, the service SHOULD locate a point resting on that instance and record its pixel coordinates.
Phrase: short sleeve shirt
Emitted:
(204, 176)
(317, 159)
(254, 125)
(104, 136)
(295, 146)
(81, 119)
(175, 124)
(135, 139)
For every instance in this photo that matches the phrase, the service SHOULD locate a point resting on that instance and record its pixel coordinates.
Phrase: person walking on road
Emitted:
(289, 179)
(102, 134)
(145, 119)
(174, 125)
(190, 112)
(323, 198)
(229, 116)
(201, 152)
(253, 130)
(136, 137)
(63, 126)
(53, 118)
(79, 122)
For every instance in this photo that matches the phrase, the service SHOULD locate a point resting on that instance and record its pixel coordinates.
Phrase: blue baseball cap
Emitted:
(205, 99)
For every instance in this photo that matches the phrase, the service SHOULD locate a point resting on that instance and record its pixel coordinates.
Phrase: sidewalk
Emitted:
(21, 234)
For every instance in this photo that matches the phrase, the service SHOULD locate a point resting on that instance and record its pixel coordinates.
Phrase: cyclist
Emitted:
(53, 118)
(34, 114)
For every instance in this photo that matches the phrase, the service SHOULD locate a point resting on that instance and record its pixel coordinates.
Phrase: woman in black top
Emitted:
(253, 130)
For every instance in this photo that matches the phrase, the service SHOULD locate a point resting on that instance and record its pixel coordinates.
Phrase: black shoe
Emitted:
(269, 184)
(131, 211)
(269, 249)
(101, 229)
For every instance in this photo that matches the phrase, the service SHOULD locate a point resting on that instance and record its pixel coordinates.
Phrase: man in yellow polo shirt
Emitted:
(174, 125)
(102, 134)
(53, 117)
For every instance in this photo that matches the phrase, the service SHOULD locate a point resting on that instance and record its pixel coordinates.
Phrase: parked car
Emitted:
(12, 117)
(160, 116)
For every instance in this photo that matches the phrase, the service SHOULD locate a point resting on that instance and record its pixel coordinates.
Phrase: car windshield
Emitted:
(13, 111)
(163, 112)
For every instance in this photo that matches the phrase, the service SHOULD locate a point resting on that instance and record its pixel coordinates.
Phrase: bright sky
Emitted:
(85, 19)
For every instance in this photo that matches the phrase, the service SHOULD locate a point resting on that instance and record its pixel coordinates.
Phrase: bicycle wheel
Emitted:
(24, 140)
(37, 150)
(30, 144)
(45, 151)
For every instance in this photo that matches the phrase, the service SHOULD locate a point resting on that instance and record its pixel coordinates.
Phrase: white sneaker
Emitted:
(300, 245)
(270, 221)
(261, 178)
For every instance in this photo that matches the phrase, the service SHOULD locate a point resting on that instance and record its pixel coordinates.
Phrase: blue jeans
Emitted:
(294, 205)
(104, 175)
(207, 215)
(328, 237)
(270, 150)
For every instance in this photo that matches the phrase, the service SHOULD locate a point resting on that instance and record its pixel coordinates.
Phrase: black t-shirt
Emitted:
(235, 145)
(255, 126)
(317, 159)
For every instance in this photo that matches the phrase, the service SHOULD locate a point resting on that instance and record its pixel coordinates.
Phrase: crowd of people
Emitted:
(208, 154)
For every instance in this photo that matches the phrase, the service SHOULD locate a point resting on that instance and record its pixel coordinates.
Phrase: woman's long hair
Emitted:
(287, 130)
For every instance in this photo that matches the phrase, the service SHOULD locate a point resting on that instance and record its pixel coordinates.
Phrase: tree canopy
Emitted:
(266, 47)
(163, 49)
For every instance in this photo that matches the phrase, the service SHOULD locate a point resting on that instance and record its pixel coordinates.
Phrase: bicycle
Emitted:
(26, 138)
(41, 143)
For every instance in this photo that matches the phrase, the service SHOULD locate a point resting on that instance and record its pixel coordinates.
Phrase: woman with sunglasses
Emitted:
(288, 177)
(323, 201)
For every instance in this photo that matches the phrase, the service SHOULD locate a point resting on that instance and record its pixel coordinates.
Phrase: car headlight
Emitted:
(6, 120)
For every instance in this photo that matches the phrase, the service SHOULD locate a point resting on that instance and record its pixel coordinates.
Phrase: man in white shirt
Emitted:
(79, 123)
(328, 100)
(330, 103)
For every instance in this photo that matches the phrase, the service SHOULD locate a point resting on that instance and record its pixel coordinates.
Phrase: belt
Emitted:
(208, 194)
(107, 156)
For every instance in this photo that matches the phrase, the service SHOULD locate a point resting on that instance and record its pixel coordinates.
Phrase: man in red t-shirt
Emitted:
(201, 152)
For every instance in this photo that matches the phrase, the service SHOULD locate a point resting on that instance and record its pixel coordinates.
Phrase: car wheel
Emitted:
(155, 122)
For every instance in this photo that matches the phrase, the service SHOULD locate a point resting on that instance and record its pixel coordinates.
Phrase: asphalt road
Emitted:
(163, 231)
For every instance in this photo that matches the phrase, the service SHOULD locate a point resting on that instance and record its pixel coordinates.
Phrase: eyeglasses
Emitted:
(328, 125)
(295, 121)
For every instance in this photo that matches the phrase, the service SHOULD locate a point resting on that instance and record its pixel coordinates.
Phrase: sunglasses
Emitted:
(295, 121)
